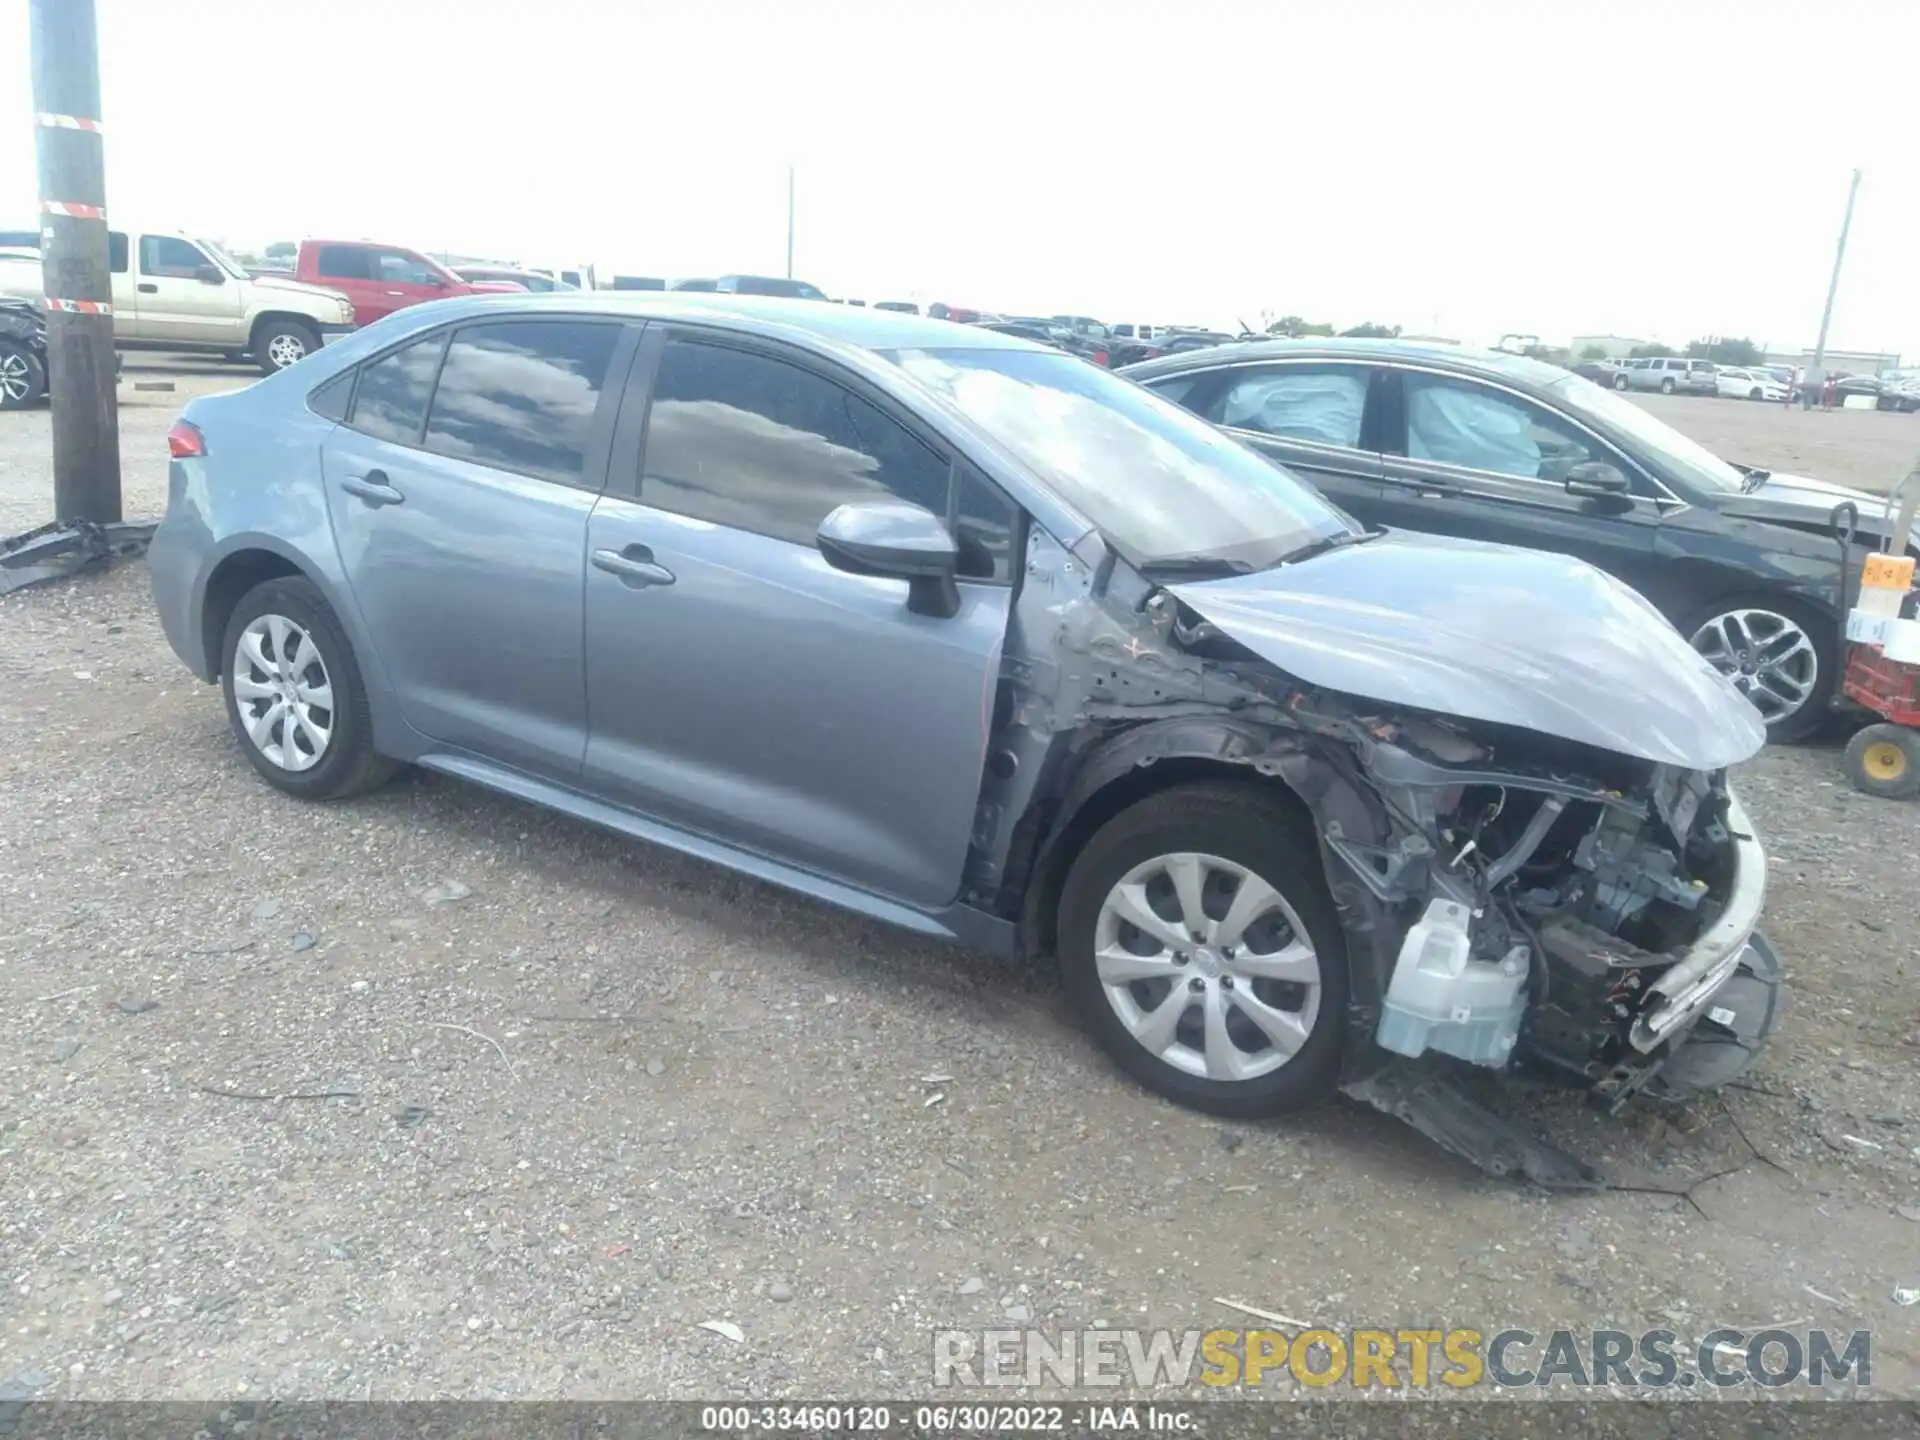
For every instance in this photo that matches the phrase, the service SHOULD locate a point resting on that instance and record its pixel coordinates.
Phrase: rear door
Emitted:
(459, 489)
(1474, 459)
(183, 296)
(1318, 418)
(740, 687)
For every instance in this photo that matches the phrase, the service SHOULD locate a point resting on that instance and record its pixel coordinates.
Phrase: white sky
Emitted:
(1471, 167)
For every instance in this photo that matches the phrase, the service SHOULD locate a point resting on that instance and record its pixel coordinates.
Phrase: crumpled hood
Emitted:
(1798, 499)
(1489, 632)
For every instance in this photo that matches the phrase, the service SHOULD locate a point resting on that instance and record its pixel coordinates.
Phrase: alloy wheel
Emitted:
(1207, 966)
(284, 350)
(283, 691)
(1768, 657)
(15, 378)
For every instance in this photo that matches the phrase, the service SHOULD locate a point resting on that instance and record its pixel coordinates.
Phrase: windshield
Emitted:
(1694, 462)
(1158, 482)
(225, 261)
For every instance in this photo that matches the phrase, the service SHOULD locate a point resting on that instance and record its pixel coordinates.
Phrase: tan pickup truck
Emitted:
(173, 291)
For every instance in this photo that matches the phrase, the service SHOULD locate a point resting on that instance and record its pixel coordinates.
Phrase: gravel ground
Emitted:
(436, 1095)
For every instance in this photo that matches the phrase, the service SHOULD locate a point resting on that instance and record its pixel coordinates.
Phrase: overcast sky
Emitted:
(1466, 167)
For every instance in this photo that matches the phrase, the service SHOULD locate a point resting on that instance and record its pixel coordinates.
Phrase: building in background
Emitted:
(1611, 347)
(1838, 362)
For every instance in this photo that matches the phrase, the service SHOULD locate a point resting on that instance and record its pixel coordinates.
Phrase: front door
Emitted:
(1313, 417)
(183, 296)
(459, 494)
(1476, 460)
(737, 685)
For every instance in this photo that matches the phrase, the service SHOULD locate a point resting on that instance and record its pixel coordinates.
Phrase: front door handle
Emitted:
(401, 293)
(634, 567)
(147, 288)
(373, 488)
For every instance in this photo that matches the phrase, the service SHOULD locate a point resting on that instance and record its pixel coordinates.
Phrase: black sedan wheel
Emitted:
(23, 376)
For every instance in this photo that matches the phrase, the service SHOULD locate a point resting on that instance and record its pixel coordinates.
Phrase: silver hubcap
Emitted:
(285, 696)
(1768, 657)
(13, 376)
(1207, 966)
(285, 350)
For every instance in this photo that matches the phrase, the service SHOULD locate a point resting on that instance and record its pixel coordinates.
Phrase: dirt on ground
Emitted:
(433, 1094)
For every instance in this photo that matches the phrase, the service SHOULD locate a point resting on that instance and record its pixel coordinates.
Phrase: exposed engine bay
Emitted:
(1510, 896)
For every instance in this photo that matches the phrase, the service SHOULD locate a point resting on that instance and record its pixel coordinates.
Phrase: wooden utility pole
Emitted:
(74, 260)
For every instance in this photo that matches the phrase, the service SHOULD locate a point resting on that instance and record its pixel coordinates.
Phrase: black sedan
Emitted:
(1499, 447)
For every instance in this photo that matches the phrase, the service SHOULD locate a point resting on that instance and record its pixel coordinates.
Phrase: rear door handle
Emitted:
(147, 288)
(373, 488)
(401, 293)
(633, 566)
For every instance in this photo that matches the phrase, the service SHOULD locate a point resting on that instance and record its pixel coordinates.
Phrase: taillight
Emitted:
(185, 442)
(1099, 357)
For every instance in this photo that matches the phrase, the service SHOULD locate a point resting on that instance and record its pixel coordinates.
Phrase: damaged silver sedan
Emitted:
(978, 639)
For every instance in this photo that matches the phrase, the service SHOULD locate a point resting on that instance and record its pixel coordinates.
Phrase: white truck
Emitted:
(174, 291)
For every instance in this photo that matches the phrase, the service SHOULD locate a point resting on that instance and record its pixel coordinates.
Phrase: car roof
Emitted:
(1461, 359)
(857, 325)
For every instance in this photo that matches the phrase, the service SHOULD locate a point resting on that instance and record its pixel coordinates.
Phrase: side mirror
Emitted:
(897, 541)
(1598, 480)
(210, 275)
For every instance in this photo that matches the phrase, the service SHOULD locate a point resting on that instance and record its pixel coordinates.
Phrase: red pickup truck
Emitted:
(381, 279)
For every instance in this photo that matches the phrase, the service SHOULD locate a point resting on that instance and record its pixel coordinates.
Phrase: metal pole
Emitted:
(73, 261)
(1816, 372)
(789, 222)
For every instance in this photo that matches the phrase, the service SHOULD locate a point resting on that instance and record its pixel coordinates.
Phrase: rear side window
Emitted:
(330, 401)
(117, 252)
(345, 262)
(521, 396)
(759, 444)
(390, 402)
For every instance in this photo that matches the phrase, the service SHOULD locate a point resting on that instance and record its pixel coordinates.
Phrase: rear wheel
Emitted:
(1666, 386)
(1884, 760)
(1779, 654)
(23, 376)
(1199, 944)
(294, 694)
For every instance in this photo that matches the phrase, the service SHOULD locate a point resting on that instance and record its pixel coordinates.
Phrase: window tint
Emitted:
(390, 403)
(1323, 403)
(345, 262)
(755, 443)
(1175, 388)
(117, 252)
(170, 255)
(985, 524)
(1466, 424)
(400, 268)
(521, 396)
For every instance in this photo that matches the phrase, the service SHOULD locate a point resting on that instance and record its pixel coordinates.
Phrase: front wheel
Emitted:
(1619, 382)
(23, 376)
(1781, 655)
(281, 343)
(1198, 942)
(294, 694)
(1755, 395)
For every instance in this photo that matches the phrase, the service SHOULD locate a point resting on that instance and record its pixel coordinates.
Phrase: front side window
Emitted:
(756, 443)
(1161, 484)
(1459, 423)
(171, 256)
(1321, 403)
(390, 402)
(520, 396)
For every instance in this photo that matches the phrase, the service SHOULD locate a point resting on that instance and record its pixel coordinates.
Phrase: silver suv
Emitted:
(1669, 374)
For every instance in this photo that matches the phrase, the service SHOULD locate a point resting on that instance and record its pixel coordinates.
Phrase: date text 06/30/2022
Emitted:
(907, 1418)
